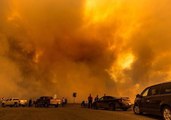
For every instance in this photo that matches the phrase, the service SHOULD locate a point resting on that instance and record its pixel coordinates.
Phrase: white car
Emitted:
(13, 102)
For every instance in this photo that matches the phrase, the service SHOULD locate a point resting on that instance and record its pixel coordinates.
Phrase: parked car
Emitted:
(12, 102)
(47, 101)
(112, 103)
(155, 99)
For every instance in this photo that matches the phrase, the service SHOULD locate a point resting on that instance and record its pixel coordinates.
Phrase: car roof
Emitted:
(46, 97)
(159, 84)
(109, 96)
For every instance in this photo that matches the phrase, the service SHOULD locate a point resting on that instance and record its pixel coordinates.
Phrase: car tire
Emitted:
(166, 113)
(137, 110)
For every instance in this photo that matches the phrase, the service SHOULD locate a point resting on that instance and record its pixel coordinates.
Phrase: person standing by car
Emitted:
(63, 101)
(96, 98)
(30, 102)
(90, 100)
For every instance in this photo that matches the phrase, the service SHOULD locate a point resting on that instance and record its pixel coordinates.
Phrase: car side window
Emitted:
(110, 98)
(101, 99)
(155, 90)
(166, 89)
(105, 98)
(145, 92)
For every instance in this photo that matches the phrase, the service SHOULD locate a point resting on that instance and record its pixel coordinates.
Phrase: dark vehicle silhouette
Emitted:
(47, 101)
(155, 100)
(112, 103)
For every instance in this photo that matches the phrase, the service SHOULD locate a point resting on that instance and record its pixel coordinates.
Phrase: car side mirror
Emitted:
(138, 96)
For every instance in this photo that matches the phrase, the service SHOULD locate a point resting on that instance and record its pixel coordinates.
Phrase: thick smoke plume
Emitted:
(116, 47)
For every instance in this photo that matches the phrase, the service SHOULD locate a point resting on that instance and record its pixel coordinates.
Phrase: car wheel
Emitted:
(137, 110)
(167, 113)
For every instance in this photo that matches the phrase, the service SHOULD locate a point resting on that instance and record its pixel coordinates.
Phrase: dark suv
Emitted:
(155, 100)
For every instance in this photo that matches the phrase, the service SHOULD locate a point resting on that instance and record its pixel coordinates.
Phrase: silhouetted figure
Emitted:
(63, 101)
(96, 98)
(30, 102)
(90, 100)
(83, 104)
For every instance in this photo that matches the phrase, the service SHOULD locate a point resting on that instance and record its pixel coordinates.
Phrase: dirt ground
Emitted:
(69, 112)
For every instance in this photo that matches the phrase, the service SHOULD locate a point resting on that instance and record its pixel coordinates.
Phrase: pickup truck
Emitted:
(47, 101)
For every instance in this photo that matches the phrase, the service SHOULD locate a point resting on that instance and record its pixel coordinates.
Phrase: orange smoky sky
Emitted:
(116, 47)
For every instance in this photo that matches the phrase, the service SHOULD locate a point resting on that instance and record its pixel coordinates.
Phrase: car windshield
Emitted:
(107, 98)
(145, 92)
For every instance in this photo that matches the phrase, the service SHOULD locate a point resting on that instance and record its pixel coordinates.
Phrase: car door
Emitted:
(7, 101)
(154, 99)
(105, 102)
(100, 102)
(144, 100)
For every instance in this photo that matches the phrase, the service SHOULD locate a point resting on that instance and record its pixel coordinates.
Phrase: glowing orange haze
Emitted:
(116, 47)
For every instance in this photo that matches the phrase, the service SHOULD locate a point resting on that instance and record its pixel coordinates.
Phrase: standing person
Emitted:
(90, 100)
(96, 98)
(63, 101)
(30, 102)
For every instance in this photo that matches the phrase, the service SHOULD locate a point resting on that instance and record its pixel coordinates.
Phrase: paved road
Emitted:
(70, 112)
